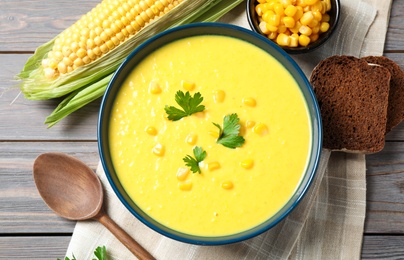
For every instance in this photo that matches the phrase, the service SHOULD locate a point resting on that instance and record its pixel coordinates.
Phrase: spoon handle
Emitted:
(124, 237)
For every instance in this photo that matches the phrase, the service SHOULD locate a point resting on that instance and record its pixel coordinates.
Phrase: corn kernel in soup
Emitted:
(236, 189)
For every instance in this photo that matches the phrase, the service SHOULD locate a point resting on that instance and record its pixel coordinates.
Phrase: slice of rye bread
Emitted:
(353, 99)
(395, 109)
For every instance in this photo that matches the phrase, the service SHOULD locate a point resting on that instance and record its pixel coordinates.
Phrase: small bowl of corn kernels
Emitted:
(297, 26)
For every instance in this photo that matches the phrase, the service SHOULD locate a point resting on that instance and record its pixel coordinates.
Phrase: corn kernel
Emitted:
(317, 7)
(151, 130)
(290, 10)
(199, 114)
(324, 26)
(249, 123)
(306, 18)
(272, 35)
(274, 20)
(185, 186)
(316, 29)
(267, 14)
(49, 73)
(299, 13)
(182, 173)
(158, 149)
(283, 39)
(67, 61)
(301, 3)
(305, 30)
(81, 53)
(289, 22)
(294, 41)
(154, 88)
(191, 139)
(249, 102)
(62, 68)
(227, 185)
(296, 28)
(313, 23)
(310, 2)
(259, 9)
(279, 10)
(187, 85)
(326, 18)
(247, 164)
(263, 27)
(304, 40)
(328, 5)
(218, 96)
(260, 129)
(282, 29)
(214, 134)
(271, 28)
(313, 37)
(211, 166)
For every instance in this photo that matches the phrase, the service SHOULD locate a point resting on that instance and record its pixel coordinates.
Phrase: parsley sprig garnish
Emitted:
(189, 105)
(192, 162)
(229, 134)
(99, 252)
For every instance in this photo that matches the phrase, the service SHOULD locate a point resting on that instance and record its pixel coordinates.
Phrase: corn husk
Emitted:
(89, 82)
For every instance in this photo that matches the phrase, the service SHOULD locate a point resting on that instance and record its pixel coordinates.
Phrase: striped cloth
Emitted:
(329, 221)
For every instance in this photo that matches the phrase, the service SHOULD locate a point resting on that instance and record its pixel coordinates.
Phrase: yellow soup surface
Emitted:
(236, 189)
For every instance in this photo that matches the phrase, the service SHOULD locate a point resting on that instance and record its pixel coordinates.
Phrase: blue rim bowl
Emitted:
(207, 29)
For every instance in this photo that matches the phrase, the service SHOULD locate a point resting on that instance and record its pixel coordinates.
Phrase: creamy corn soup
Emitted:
(235, 188)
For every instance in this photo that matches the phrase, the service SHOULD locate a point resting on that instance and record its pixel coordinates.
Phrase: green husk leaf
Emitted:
(77, 100)
(36, 87)
(89, 82)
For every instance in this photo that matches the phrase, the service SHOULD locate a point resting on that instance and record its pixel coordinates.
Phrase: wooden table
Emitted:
(29, 230)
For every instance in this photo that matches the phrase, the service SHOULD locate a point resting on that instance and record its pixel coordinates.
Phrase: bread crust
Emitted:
(353, 99)
(395, 109)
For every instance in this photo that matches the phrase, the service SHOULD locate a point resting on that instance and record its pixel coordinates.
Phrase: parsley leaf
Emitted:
(193, 163)
(100, 253)
(189, 105)
(229, 134)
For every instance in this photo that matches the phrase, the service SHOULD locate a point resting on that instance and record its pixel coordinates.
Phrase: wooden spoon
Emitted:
(73, 191)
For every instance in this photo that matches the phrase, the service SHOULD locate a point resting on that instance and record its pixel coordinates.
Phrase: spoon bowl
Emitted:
(68, 186)
(73, 191)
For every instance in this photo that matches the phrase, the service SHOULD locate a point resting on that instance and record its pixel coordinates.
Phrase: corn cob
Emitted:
(108, 25)
(80, 61)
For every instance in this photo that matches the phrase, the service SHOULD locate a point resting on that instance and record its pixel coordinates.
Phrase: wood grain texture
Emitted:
(395, 38)
(23, 119)
(30, 23)
(34, 247)
(30, 230)
(21, 208)
(383, 247)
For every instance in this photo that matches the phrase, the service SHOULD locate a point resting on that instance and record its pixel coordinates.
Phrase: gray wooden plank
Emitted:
(34, 247)
(23, 119)
(374, 247)
(23, 211)
(21, 208)
(395, 37)
(383, 247)
(385, 190)
(27, 25)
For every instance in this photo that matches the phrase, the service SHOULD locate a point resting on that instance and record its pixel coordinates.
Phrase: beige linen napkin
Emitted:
(327, 224)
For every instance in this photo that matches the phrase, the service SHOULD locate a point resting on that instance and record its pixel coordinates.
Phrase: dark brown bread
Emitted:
(395, 109)
(353, 99)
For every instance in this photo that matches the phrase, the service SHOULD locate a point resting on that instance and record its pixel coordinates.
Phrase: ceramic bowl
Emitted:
(334, 13)
(194, 30)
